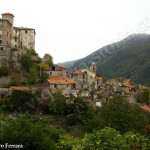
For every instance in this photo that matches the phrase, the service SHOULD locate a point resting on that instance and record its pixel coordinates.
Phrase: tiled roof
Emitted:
(60, 80)
(13, 49)
(21, 88)
(146, 108)
(105, 96)
(8, 14)
(61, 66)
(40, 86)
(100, 78)
(70, 81)
(77, 72)
(129, 85)
(128, 80)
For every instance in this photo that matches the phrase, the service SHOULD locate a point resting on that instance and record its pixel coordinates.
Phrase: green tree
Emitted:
(44, 76)
(23, 101)
(43, 66)
(27, 61)
(32, 135)
(110, 139)
(15, 78)
(121, 115)
(79, 111)
(3, 71)
(146, 96)
(58, 104)
(48, 59)
(33, 76)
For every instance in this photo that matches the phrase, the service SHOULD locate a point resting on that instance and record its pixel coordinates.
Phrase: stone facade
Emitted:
(18, 37)
(5, 33)
(56, 70)
(23, 38)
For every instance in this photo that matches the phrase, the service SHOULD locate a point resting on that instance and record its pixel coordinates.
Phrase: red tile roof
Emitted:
(128, 80)
(77, 72)
(105, 96)
(61, 66)
(60, 80)
(40, 86)
(70, 81)
(21, 88)
(100, 78)
(146, 108)
(129, 85)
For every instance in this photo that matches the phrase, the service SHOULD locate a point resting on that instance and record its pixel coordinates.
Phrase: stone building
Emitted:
(18, 37)
(23, 38)
(56, 70)
(6, 30)
(93, 67)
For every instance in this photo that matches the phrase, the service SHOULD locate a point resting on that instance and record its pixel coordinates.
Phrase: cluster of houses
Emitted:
(15, 40)
(84, 83)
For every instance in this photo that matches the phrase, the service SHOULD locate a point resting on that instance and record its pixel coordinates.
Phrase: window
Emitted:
(50, 73)
(0, 41)
(26, 31)
(53, 68)
(1, 23)
(1, 48)
(1, 33)
(7, 34)
(15, 39)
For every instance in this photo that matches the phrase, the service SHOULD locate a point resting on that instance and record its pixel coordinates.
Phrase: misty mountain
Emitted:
(128, 58)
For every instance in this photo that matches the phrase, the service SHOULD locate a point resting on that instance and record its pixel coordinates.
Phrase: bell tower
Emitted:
(9, 17)
(93, 67)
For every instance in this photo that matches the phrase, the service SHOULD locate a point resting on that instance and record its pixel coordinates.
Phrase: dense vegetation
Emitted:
(3, 71)
(31, 71)
(128, 58)
(117, 125)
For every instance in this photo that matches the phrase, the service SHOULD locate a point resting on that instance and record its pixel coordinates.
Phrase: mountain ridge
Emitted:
(127, 58)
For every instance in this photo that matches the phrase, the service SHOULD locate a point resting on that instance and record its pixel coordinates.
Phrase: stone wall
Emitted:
(23, 38)
(4, 81)
(6, 29)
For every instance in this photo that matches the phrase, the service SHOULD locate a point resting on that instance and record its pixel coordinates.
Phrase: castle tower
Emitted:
(9, 17)
(93, 67)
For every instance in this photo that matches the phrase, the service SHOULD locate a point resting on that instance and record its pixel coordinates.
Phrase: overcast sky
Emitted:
(72, 29)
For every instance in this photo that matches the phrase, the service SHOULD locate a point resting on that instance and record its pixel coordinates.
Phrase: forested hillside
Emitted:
(128, 58)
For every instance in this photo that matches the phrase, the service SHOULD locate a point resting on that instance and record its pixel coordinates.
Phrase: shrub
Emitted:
(15, 79)
(23, 101)
(121, 115)
(110, 139)
(58, 106)
(32, 135)
(27, 61)
(80, 111)
(3, 71)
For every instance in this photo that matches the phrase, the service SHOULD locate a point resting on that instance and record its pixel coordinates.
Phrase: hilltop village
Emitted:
(16, 41)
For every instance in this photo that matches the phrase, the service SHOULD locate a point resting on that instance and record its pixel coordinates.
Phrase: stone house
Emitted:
(56, 70)
(62, 83)
(86, 78)
(66, 85)
(80, 77)
(23, 38)
(4, 92)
